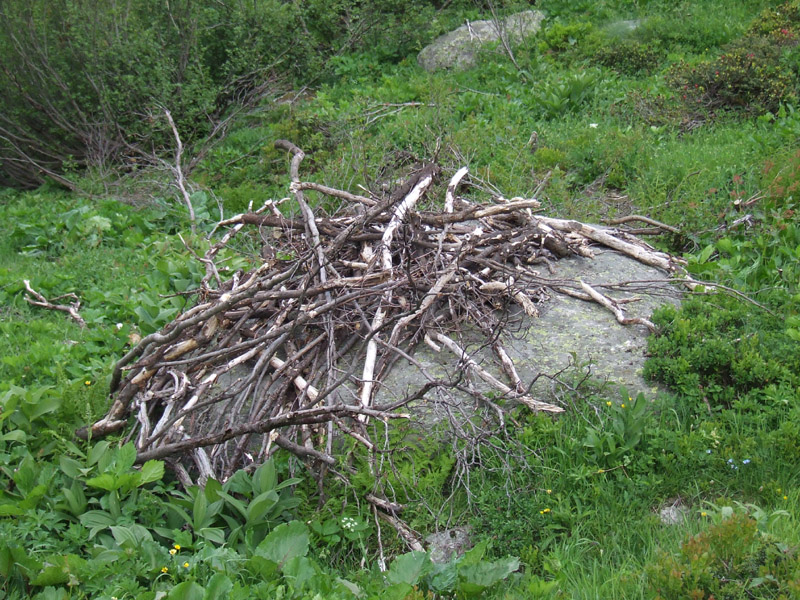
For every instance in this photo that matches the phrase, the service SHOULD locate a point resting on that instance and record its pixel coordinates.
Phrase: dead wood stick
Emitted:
(368, 373)
(199, 314)
(516, 294)
(508, 367)
(384, 504)
(403, 530)
(608, 303)
(317, 414)
(177, 171)
(300, 383)
(311, 224)
(301, 451)
(42, 302)
(398, 217)
(535, 405)
(329, 191)
(648, 257)
(648, 220)
(450, 195)
(428, 300)
(477, 212)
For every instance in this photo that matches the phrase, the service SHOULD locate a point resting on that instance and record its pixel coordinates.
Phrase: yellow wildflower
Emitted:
(186, 565)
(87, 383)
(608, 403)
(549, 491)
(177, 546)
(172, 551)
(164, 569)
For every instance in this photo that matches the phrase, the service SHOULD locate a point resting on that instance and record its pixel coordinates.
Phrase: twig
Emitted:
(177, 170)
(618, 313)
(41, 301)
(648, 220)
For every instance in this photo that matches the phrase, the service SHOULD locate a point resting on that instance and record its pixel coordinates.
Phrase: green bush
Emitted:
(627, 56)
(749, 76)
(86, 85)
(782, 22)
(559, 37)
(732, 560)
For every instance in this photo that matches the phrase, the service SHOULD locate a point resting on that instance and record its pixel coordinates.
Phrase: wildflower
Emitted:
(549, 491)
(608, 403)
(703, 514)
(708, 451)
(164, 569)
(541, 512)
(622, 405)
(172, 551)
(786, 497)
(87, 383)
(119, 326)
(177, 546)
(593, 125)
(746, 461)
(186, 565)
(546, 510)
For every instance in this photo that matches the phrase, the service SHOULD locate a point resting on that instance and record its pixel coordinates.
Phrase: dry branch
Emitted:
(41, 301)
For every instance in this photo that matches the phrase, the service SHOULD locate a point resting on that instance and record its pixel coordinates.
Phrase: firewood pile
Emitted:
(292, 354)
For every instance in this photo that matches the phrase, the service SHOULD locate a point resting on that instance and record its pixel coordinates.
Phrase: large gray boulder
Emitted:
(567, 329)
(458, 49)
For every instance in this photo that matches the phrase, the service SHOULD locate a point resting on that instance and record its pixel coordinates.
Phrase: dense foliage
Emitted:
(86, 84)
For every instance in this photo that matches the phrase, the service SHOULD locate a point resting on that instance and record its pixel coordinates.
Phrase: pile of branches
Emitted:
(294, 354)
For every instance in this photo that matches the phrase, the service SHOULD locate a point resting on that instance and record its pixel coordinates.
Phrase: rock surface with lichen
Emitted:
(459, 48)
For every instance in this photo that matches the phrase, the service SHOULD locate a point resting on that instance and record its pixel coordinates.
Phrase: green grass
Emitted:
(575, 498)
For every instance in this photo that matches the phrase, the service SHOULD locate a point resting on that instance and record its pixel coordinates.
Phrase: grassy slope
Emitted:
(579, 517)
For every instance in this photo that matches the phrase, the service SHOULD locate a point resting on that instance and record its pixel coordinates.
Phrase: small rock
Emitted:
(448, 544)
(673, 514)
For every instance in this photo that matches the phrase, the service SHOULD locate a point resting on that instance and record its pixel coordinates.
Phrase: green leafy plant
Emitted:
(565, 95)
(241, 511)
(627, 56)
(468, 576)
(611, 445)
(748, 76)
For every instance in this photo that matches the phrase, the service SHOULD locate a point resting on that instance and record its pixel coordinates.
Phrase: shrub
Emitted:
(627, 56)
(731, 559)
(781, 21)
(86, 84)
(748, 77)
(562, 36)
